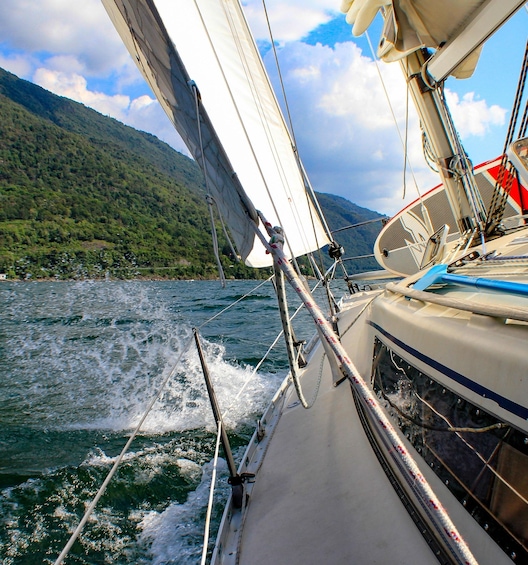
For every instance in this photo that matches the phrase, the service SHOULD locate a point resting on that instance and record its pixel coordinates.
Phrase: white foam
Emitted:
(176, 534)
(105, 354)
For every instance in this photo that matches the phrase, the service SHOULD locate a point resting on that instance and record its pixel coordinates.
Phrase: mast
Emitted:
(433, 40)
(453, 164)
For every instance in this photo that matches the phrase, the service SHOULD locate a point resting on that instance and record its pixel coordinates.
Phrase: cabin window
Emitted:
(483, 461)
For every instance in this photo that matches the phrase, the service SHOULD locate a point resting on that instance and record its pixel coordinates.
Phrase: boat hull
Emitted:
(401, 244)
(464, 364)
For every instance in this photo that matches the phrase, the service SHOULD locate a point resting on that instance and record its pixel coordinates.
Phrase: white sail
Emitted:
(249, 158)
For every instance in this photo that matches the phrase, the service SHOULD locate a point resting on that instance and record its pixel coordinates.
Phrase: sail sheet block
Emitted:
(248, 156)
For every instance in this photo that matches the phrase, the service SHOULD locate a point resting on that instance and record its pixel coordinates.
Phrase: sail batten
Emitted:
(247, 155)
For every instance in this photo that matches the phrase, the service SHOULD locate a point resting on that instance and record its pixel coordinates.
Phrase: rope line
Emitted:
(214, 236)
(234, 303)
(226, 233)
(430, 502)
(211, 495)
(119, 459)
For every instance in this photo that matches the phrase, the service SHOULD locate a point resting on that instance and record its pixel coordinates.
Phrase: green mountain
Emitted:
(359, 241)
(82, 195)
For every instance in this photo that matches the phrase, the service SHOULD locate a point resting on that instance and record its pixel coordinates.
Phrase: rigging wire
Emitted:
(234, 303)
(403, 140)
(406, 140)
(290, 342)
(461, 169)
(505, 177)
(285, 98)
(310, 194)
(211, 495)
(270, 348)
(119, 459)
(429, 154)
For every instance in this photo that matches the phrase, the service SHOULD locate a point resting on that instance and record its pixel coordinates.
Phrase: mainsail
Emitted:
(200, 54)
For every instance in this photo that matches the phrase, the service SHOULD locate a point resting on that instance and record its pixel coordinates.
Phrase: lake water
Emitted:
(79, 363)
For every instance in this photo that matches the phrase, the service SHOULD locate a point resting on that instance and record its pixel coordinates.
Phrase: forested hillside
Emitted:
(82, 195)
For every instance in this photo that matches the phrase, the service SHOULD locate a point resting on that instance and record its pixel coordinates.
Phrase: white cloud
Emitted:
(65, 63)
(74, 86)
(145, 114)
(142, 113)
(290, 20)
(61, 27)
(472, 116)
(19, 65)
(344, 129)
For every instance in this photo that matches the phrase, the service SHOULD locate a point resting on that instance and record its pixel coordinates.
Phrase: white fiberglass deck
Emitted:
(329, 504)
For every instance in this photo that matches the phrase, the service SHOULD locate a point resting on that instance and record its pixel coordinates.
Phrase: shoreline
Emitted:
(116, 279)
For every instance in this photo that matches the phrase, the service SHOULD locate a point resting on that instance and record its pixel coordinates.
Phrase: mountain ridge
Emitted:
(83, 195)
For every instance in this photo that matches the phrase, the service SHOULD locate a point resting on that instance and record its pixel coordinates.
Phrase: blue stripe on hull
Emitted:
(503, 402)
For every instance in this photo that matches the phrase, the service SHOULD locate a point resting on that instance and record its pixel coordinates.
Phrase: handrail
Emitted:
(517, 313)
(428, 498)
(439, 274)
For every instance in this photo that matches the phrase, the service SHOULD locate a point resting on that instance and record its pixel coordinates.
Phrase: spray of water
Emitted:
(81, 362)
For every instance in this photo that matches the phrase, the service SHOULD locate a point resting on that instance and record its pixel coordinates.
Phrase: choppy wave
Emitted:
(81, 362)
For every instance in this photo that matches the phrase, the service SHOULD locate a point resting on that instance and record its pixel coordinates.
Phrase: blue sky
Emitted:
(345, 134)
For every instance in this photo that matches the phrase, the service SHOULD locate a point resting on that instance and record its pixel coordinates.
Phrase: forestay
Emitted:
(249, 158)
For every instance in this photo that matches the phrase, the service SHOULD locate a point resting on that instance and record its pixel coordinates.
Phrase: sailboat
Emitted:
(414, 448)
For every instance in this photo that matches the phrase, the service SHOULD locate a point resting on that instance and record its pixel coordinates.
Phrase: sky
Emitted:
(343, 125)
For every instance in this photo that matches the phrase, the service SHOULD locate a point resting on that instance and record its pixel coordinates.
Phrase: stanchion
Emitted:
(235, 480)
